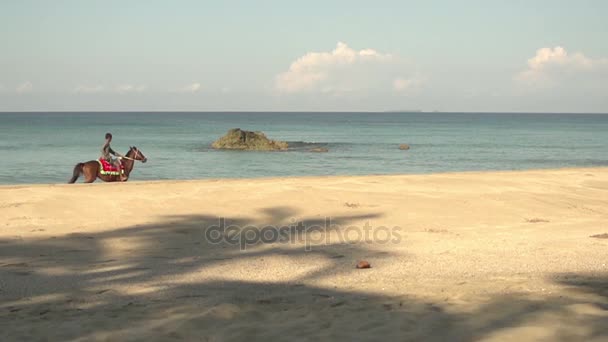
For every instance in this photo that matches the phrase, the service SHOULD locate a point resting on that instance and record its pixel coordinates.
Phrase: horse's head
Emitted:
(136, 154)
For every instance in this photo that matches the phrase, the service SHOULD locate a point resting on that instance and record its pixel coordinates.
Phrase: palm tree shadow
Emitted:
(168, 280)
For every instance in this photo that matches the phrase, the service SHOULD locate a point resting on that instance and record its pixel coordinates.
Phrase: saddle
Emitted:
(109, 169)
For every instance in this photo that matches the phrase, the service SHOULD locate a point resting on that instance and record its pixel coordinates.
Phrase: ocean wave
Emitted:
(305, 146)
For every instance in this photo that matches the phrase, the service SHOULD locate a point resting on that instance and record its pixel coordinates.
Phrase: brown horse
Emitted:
(91, 169)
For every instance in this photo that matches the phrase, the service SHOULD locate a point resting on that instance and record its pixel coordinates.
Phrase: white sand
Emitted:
(476, 256)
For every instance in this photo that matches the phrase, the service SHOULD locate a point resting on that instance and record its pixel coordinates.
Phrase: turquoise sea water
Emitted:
(44, 147)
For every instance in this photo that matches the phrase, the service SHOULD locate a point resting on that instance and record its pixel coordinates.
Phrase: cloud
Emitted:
(24, 87)
(402, 85)
(552, 66)
(341, 70)
(87, 89)
(190, 88)
(100, 88)
(130, 88)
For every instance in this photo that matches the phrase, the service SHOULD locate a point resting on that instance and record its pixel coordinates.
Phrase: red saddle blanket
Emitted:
(107, 167)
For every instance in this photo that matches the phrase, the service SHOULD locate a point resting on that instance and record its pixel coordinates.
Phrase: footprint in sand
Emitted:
(536, 220)
(12, 205)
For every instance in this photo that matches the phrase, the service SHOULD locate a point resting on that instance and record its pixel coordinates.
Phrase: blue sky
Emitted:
(304, 55)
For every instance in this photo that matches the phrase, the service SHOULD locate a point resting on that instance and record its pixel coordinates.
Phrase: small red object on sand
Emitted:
(363, 264)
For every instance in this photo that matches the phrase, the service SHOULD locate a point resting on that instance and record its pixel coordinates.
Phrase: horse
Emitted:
(92, 169)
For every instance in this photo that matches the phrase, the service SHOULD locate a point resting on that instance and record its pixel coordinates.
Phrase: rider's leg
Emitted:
(118, 165)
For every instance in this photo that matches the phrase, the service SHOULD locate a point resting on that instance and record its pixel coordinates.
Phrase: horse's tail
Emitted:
(77, 172)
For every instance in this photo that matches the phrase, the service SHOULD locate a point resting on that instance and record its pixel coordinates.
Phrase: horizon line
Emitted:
(297, 111)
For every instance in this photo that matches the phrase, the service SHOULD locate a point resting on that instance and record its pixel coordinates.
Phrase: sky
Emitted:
(186, 55)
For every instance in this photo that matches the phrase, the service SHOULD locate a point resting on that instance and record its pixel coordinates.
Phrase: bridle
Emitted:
(136, 154)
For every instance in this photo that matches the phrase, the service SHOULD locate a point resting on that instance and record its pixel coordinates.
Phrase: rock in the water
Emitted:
(404, 147)
(238, 139)
(319, 149)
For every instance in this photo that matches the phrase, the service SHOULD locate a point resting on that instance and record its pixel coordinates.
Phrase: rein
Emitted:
(129, 158)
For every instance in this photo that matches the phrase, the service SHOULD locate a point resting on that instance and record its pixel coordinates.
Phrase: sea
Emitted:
(44, 147)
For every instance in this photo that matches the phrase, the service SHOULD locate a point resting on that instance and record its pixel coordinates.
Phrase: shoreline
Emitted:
(270, 178)
(292, 112)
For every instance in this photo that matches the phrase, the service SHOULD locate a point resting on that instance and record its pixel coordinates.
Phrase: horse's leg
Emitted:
(90, 172)
(76, 173)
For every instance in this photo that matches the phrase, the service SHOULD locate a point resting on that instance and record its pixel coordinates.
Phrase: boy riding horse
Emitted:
(107, 152)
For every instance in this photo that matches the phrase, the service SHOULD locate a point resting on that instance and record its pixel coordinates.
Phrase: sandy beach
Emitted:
(454, 257)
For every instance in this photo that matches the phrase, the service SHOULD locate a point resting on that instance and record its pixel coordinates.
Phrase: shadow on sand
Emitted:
(142, 283)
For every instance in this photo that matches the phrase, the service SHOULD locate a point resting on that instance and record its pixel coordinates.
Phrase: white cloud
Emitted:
(100, 88)
(401, 84)
(130, 88)
(551, 65)
(24, 87)
(341, 70)
(88, 89)
(190, 88)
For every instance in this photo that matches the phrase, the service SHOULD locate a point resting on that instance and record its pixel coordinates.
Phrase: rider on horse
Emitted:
(94, 169)
(107, 152)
